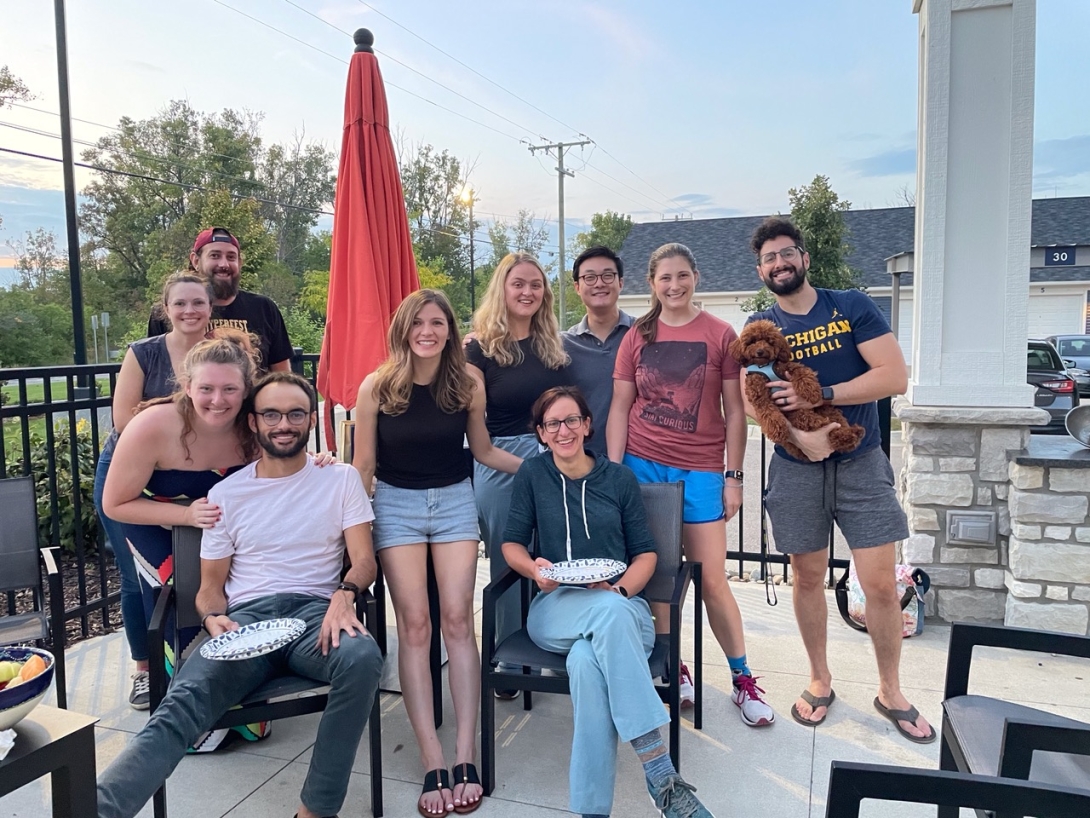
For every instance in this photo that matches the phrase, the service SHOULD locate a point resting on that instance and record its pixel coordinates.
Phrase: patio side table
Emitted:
(60, 743)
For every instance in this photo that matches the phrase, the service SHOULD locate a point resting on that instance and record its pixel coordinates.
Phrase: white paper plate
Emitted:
(584, 572)
(255, 639)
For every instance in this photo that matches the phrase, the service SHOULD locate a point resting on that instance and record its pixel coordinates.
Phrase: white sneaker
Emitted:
(753, 709)
(688, 692)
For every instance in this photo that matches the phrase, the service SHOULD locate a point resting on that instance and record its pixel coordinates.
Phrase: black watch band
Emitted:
(827, 394)
(205, 617)
(621, 590)
(734, 474)
(350, 586)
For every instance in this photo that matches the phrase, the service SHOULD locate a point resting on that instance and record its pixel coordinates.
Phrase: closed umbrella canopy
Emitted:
(372, 267)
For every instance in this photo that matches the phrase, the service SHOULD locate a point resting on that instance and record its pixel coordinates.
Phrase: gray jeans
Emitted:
(203, 690)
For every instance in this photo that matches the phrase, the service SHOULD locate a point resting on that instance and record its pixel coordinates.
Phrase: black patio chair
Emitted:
(281, 698)
(851, 783)
(664, 503)
(992, 737)
(21, 561)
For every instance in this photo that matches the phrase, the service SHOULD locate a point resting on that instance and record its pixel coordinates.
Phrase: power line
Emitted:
(388, 84)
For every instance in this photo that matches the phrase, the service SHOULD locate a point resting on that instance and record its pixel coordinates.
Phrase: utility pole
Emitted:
(561, 173)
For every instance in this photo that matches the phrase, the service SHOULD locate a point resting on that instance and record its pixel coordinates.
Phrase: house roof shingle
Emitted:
(721, 246)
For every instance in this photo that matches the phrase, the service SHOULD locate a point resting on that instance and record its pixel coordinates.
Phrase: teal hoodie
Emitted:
(598, 516)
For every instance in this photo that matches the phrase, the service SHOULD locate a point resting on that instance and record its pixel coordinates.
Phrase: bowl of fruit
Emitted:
(25, 676)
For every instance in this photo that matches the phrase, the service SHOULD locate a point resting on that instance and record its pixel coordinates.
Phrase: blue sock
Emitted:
(652, 753)
(738, 666)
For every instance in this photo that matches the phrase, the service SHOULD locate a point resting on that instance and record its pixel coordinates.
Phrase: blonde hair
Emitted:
(225, 346)
(647, 325)
(490, 320)
(393, 386)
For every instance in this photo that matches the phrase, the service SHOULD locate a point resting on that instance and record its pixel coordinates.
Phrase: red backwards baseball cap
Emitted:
(214, 234)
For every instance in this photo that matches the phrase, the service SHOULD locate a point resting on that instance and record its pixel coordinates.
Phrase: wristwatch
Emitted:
(827, 394)
(205, 617)
(735, 474)
(621, 590)
(350, 586)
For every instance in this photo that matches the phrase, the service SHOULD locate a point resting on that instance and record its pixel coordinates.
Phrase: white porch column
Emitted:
(973, 203)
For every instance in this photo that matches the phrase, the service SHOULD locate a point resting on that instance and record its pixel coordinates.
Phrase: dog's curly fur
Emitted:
(760, 343)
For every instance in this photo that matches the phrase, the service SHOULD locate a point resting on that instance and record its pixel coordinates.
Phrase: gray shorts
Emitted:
(804, 499)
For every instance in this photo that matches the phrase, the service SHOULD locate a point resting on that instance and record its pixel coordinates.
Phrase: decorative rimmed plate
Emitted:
(584, 572)
(255, 639)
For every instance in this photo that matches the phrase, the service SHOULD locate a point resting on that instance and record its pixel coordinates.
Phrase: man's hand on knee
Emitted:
(341, 616)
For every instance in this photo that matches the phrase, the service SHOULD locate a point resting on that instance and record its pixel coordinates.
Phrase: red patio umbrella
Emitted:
(372, 267)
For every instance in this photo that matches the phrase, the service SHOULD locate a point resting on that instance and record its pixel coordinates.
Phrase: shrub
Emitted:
(66, 509)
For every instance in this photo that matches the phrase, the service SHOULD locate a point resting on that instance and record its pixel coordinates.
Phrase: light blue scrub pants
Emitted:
(608, 640)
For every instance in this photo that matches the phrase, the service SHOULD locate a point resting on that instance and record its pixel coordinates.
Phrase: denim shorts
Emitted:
(407, 516)
(703, 489)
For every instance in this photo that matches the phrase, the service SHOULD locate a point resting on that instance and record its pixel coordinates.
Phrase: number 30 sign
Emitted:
(1059, 256)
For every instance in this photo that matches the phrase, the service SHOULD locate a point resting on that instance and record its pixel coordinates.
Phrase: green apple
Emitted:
(9, 670)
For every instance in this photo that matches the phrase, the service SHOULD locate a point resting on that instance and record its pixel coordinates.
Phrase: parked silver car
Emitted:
(1056, 391)
(1075, 351)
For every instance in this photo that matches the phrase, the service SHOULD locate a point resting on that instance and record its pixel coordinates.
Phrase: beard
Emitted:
(225, 289)
(274, 449)
(789, 285)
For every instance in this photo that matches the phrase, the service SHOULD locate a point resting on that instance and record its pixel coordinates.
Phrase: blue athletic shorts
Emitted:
(703, 489)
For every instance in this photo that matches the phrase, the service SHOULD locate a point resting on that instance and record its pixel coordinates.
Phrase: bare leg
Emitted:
(812, 616)
(875, 569)
(706, 543)
(405, 567)
(456, 575)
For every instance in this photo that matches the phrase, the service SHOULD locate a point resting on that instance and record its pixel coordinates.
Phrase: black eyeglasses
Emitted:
(592, 278)
(787, 254)
(296, 417)
(571, 421)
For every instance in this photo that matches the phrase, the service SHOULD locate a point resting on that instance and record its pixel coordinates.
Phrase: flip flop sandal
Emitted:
(466, 773)
(815, 702)
(910, 715)
(435, 781)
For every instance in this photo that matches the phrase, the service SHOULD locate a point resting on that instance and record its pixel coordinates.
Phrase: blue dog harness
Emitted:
(769, 373)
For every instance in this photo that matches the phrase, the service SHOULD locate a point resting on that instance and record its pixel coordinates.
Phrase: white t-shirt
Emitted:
(285, 535)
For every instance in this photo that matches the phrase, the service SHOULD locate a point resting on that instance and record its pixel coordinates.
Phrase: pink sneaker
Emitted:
(688, 692)
(753, 709)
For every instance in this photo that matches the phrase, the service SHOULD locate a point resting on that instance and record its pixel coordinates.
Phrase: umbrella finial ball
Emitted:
(364, 39)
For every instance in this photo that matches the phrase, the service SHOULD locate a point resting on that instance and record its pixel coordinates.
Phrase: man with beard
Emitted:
(843, 337)
(276, 551)
(593, 342)
(217, 257)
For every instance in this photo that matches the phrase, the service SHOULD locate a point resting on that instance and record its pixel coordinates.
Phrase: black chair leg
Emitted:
(698, 633)
(375, 727)
(488, 729)
(436, 657)
(159, 802)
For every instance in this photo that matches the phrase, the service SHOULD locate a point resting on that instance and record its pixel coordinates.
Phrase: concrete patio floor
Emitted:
(778, 771)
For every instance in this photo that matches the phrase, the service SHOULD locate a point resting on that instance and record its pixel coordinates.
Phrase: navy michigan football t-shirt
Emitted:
(826, 339)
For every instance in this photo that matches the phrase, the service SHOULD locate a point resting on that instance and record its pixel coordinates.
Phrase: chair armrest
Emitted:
(850, 783)
(157, 669)
(51, 561)
(1022, 737)
(964, 637)
(490, 596)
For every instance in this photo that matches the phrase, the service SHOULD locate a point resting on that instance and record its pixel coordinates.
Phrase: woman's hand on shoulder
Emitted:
(322, 459)
(202, 514)
(546, 585)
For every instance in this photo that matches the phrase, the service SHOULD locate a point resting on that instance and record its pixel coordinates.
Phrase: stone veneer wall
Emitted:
(958, 466)
(1037, 574)
(1048, 578)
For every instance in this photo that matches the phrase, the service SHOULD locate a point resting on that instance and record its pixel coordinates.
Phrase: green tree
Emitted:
(818, 212)
(607, 229)
(304, 330)
(12, 89)
(315, 293)
(299, 178)
(33, 333)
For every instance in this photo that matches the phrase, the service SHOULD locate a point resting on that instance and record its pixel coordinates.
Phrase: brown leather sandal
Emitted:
(466, 773)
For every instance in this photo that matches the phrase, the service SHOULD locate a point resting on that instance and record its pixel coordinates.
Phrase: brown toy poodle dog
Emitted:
(761, 349)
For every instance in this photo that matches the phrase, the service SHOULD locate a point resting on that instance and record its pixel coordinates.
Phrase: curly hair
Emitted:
(772, 228)
(490, 320)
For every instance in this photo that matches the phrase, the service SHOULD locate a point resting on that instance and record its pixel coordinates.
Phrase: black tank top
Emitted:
(422, 448)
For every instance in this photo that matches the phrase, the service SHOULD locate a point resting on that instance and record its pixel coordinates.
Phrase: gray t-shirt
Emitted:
(591, 370)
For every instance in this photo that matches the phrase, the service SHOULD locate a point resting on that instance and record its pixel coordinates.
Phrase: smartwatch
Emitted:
(621, 590)
(827, 394)
(735, 474)
(349, 586)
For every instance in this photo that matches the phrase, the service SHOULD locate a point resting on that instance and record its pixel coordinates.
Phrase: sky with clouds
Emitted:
(702, 108)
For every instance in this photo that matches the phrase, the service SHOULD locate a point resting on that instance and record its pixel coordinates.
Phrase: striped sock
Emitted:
(652, 753)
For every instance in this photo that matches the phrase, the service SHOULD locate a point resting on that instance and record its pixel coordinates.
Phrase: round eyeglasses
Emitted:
(296, 417)
(592, 278)
(787, 254)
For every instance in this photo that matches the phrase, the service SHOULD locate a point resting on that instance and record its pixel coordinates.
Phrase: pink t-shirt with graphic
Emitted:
(677, 417)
